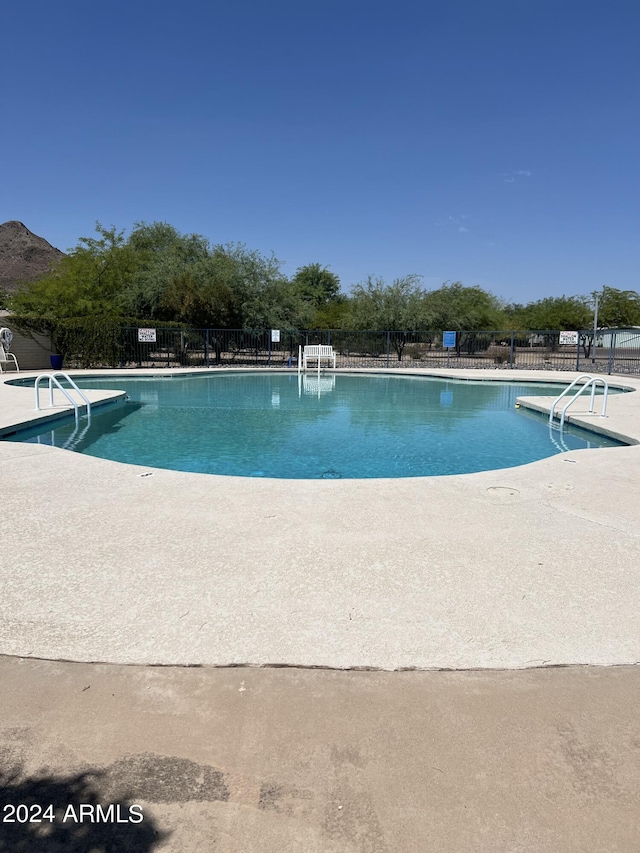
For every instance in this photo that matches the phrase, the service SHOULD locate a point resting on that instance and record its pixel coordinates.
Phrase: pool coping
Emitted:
(324, 573)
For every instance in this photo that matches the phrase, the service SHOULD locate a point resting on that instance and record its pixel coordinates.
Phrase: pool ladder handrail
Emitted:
(53, 380)
(591, 382)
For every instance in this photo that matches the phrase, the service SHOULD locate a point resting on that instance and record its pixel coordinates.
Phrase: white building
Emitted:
(625, 338)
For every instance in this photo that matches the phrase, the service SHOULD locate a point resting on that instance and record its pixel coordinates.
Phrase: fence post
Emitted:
(578, 353)
(388, 346)
(269, 349)
(206, 347)
(329, 337)
(612, 348)
(511, 351)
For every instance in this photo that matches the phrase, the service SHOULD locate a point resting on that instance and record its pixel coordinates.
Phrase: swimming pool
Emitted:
(314, 426)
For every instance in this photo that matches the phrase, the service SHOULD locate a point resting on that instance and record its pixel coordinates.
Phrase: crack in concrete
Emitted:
(327, 667)
(590, 519)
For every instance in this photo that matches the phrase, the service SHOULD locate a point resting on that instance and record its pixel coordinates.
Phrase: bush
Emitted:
(414, 351)
(89, 341)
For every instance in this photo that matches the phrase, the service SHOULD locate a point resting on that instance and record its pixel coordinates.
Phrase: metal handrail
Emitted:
(53, 380)
(73, 385)
(565, 392)
(591, 382)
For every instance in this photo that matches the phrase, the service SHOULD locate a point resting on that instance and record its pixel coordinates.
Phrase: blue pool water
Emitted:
(310, 427)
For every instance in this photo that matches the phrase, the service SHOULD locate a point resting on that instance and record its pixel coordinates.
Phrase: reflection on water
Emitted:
(316, 384)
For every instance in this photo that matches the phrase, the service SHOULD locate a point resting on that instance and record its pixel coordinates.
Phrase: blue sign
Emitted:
(449, 339)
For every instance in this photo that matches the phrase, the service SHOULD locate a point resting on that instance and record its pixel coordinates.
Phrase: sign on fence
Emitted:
(570, 338)
(275, 336)
(147, 336)
(449, 339)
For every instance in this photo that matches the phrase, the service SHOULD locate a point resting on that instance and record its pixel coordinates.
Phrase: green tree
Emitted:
(158, 274)
(333, 315)
(557, 313)
(87, 282)
(160, 238)
(316, 284)
(618, 308)
(170, 278)
(455, 307)
(396, 307)
(265, 298)
(514, 312)
(193, 297)
(466, 310)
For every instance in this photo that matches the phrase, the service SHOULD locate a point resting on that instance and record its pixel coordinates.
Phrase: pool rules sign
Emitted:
(146, 336)
(568, 338)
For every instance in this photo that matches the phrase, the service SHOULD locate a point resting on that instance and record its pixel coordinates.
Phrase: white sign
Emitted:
(275, 336)
(147, 336)
(570, 338)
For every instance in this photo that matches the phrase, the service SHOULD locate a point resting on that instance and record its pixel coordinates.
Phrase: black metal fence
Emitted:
(615, 351)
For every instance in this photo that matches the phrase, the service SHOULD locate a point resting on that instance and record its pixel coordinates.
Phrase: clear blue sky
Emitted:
(490, 141)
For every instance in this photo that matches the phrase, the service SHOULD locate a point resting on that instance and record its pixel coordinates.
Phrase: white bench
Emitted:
(317, 352)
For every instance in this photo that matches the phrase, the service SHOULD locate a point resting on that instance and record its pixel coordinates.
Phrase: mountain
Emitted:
(23, 255)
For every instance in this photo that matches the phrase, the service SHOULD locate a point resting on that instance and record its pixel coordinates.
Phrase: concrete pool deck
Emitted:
(531, 566)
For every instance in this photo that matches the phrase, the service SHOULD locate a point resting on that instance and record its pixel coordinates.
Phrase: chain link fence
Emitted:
(615, 351)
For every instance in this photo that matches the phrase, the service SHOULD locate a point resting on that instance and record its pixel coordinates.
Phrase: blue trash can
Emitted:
(56, 362)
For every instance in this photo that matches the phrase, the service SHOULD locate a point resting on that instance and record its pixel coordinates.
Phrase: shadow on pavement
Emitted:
(52, 814)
